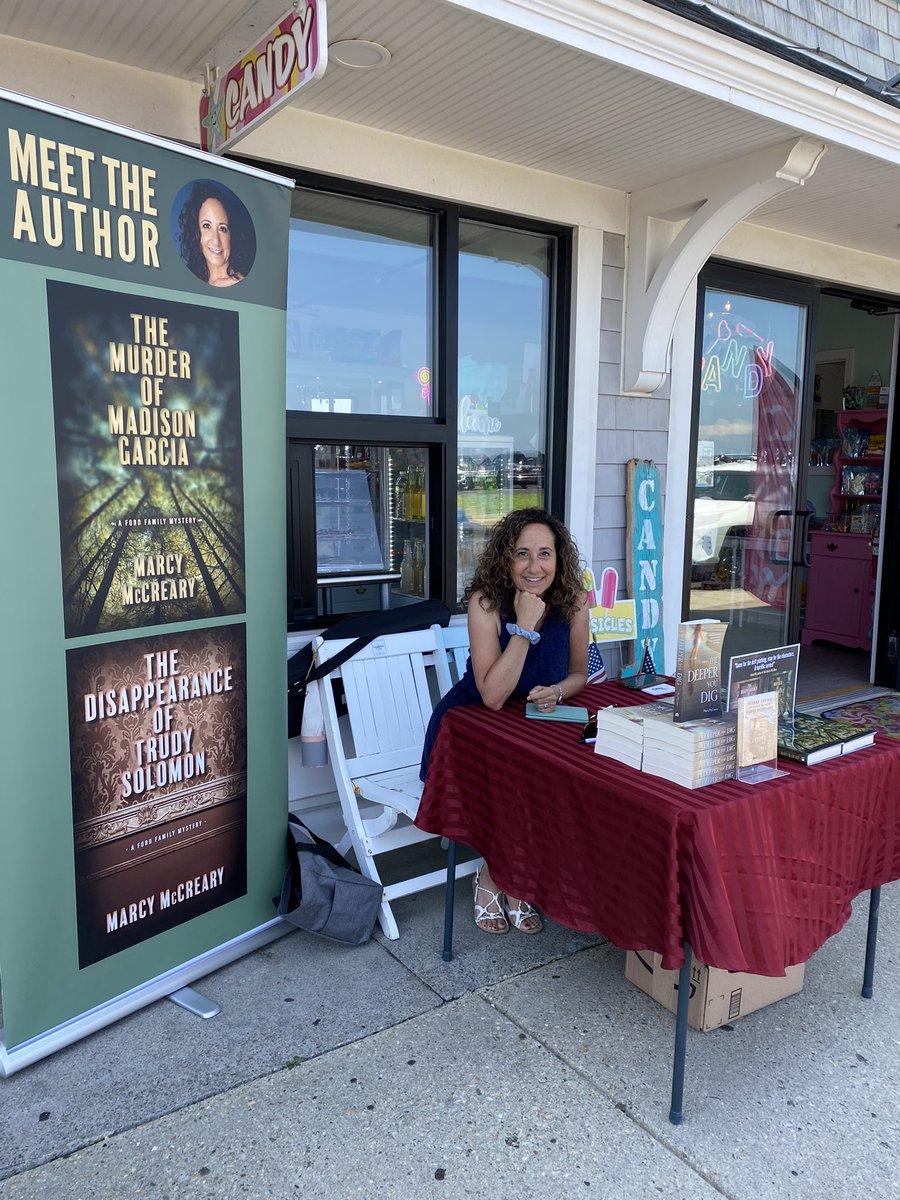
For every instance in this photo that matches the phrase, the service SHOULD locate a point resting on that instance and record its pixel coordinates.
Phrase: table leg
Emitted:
(871, 939)
(449, 892)
(676, 1115)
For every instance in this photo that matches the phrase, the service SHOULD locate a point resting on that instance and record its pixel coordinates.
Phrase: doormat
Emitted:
(883, 712)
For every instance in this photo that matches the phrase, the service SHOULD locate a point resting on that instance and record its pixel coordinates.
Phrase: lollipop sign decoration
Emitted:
(611, 620)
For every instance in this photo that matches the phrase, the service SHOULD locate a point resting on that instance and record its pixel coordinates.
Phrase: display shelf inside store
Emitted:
(875, 421)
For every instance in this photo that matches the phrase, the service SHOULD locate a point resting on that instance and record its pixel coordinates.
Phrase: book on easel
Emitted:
(772, 670)
(698, 670)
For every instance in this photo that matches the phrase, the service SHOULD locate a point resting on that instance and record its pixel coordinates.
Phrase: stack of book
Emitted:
(620, 731)
(691, 753)
(810, 740)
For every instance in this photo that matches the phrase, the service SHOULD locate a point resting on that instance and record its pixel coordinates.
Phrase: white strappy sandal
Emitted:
(492, 911)
(518, 917)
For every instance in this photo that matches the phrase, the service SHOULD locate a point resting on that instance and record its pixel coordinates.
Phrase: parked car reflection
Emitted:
(726, 507)
(478, 473)
(528, 470)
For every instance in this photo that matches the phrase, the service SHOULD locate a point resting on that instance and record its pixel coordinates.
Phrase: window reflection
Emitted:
(504, 377)
(359, 308)
(751, 373)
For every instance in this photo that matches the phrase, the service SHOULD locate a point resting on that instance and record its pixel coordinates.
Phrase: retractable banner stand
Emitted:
(142, 613)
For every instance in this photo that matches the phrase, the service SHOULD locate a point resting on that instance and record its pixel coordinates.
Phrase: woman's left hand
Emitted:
(546, 698)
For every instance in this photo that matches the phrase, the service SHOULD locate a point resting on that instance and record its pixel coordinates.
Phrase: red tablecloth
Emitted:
(755, 878)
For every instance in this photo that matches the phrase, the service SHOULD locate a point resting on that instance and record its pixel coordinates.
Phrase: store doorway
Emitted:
(791, 420)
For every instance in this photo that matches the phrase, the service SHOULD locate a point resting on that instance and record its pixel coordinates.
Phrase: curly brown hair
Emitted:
(493, 574)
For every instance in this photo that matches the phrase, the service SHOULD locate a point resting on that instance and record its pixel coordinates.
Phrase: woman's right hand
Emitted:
(529, 609)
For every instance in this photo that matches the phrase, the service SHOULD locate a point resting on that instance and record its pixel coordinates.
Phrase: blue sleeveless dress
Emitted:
(545, 663)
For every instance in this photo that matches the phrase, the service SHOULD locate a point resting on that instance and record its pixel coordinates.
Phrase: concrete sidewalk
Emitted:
(528, 1067)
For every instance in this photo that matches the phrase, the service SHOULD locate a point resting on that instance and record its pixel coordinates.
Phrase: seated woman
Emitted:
(528, 637)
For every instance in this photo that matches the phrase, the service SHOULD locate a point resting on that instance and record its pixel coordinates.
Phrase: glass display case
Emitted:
(407, 475)
(347, 533)
(358, 517)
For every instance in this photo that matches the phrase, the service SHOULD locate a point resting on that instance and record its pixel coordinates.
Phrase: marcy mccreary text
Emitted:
(146, 906)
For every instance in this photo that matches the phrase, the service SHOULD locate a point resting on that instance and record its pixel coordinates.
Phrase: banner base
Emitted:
(168, 984)
(199, 1005)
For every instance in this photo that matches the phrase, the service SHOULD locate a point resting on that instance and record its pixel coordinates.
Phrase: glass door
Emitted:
(747, 531)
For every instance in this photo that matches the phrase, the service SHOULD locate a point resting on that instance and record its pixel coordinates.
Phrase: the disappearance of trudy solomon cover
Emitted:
(147, 409)
(158, 745)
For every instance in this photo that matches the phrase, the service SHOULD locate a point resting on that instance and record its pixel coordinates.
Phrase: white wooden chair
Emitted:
(453, 649)
(376, 751)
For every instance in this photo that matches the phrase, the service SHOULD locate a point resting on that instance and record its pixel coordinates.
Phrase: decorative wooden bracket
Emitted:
(674, 227)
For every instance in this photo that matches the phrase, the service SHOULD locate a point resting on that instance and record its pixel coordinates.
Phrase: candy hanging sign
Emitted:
(293, 53)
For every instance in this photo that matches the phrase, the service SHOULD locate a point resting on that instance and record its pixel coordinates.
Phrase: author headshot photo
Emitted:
(214, 233)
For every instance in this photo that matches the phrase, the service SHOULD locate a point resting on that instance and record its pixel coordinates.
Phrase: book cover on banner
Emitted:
(811, 740)
(773, 670)
(158, 756)
(149, 455)
(698, 670)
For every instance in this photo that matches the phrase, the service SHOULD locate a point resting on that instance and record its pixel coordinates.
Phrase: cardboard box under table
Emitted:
(717, 997)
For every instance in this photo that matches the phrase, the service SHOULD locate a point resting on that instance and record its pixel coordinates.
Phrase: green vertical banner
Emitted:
(142, 615)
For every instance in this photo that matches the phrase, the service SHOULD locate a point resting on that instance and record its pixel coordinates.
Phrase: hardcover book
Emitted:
(811, 740)
(698, 670)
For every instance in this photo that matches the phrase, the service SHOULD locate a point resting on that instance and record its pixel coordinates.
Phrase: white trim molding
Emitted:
(670, 47)
(674, 227)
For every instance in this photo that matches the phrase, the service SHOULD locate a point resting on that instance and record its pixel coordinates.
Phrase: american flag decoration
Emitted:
(648, 667)
(596, 669)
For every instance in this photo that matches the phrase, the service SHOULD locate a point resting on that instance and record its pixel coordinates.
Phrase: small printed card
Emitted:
(757, 737)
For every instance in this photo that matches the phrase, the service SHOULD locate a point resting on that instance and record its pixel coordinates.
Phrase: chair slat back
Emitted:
(453, 643)
(389, 702)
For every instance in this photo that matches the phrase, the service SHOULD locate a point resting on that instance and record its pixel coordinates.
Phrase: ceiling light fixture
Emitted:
(359, 54)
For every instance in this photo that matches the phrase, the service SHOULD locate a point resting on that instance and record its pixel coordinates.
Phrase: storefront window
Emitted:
(503, 379)
(360, 310)
(422, 340)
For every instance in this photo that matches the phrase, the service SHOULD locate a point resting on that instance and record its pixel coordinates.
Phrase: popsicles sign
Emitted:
(611, 620)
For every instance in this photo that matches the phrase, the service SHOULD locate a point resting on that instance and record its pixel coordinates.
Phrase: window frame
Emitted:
(437, 432)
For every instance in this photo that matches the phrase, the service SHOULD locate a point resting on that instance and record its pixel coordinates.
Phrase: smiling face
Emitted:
(215, 236)
(534, 560)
